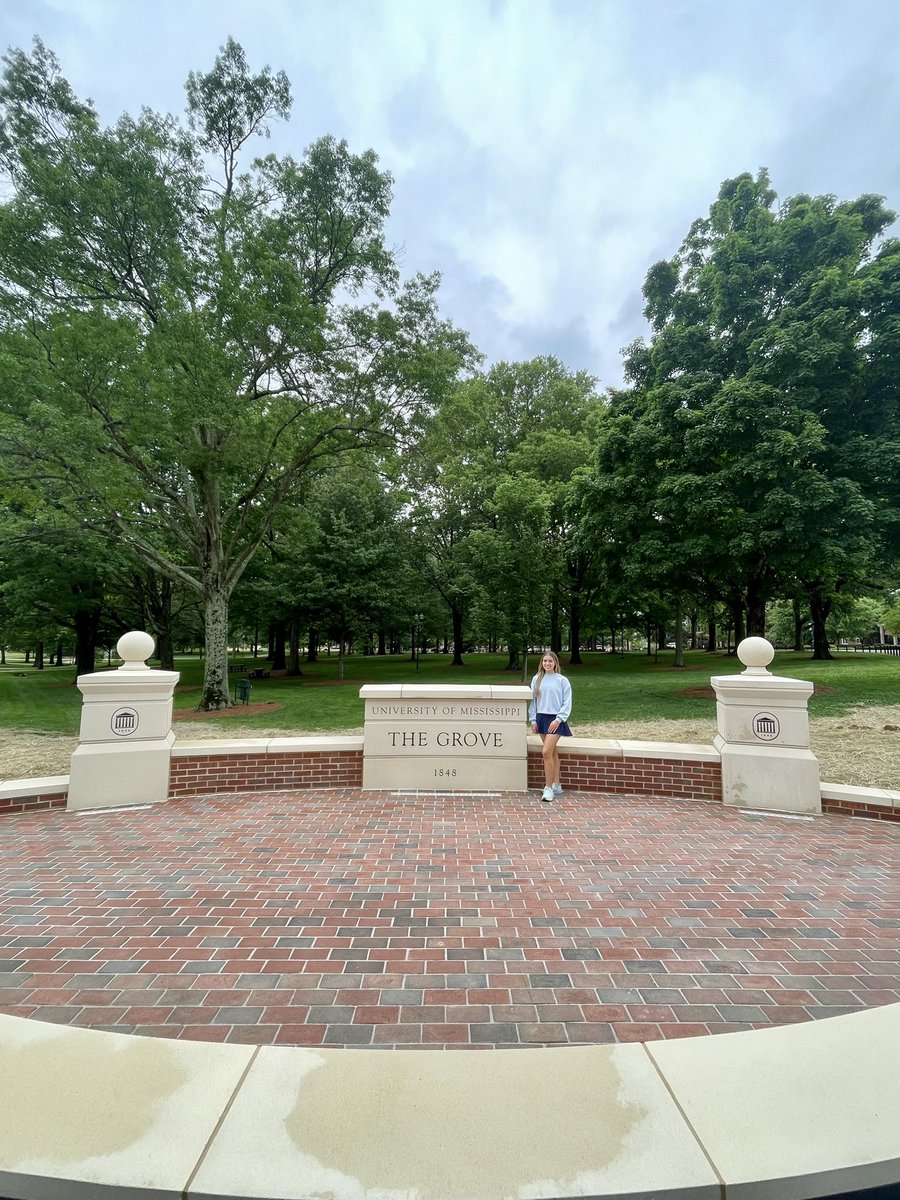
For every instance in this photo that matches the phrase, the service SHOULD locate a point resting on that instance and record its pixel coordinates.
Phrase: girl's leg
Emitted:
(551, 758)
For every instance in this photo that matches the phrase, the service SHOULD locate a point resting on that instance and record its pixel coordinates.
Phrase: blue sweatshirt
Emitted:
(555, 697)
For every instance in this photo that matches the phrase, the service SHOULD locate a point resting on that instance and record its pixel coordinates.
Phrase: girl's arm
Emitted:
(562, 713)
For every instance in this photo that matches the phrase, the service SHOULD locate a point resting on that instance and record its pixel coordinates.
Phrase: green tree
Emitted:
(734, 465)
(184, 341)
(353, 572)
(514, 431)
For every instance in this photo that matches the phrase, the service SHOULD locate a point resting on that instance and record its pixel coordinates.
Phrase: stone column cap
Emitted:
(759, 684)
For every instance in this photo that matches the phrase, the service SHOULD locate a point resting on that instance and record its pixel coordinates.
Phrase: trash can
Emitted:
(242, 691)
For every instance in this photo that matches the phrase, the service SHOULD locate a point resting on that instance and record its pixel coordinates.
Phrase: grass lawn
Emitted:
(607, 687)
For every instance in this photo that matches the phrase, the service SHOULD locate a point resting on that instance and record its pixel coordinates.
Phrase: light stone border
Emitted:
(787, 1113)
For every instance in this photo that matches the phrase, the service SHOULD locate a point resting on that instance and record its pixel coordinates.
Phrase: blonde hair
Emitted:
(541, 672)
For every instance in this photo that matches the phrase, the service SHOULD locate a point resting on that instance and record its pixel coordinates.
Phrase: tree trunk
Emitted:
(575, 628)
(555, 631)
(215, 694)
(679, 634)
(457, 618)
(820, 609)
(711, 634)
(156, 596)
(736, 607)
(382, 642)
(86, 622)
(279, 640)
(294, 648)
(798, 624)
(341, 659)
(694, 621)
(756, 616)
(165, 648)
(312, 649)
(39, 656)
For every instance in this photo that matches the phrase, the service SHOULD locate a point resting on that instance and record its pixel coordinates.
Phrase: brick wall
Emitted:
(21, 804)
(856, 808)
(646, 776)
(204, 773)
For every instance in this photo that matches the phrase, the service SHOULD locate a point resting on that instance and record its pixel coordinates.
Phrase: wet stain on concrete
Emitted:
(94, 1098)
(382, 1122)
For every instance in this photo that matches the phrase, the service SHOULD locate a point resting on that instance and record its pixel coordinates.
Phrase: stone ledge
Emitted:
(281, 745)
(16, 789)
(779, 1114)
(623, 749)
(879, 797)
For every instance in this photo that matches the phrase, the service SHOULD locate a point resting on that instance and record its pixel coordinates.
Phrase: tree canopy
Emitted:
(184, 341)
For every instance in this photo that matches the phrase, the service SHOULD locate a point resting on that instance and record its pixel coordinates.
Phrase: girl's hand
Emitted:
(534, 726)
(554, 725)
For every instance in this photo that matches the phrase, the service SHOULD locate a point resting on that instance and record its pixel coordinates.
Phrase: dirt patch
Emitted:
(236, 710)
(708, 693)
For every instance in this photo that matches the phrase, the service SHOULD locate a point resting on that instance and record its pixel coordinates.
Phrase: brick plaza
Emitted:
(342, 918)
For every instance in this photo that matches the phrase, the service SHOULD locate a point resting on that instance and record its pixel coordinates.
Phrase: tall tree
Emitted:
(184, 341)
(733, 461)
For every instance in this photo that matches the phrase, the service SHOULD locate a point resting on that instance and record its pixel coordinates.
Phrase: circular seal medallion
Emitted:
(766, 726)
(124, 721)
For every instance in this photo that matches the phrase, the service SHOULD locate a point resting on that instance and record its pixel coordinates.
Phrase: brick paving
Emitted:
(387, 919)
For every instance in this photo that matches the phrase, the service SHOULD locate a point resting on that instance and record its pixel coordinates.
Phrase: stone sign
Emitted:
(446, 738)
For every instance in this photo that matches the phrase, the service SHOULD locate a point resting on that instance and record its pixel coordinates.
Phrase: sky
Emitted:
(545, 153)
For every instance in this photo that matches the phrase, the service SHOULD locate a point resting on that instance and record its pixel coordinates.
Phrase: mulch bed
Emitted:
(707, 693)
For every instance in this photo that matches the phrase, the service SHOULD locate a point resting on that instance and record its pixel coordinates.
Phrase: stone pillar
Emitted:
(126, 732)
(763, 736)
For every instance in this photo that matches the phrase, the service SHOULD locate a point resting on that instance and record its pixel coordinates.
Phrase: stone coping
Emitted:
(13, 789)
(880, 796)
(279, 745)
(789, 1113)
(445, 691)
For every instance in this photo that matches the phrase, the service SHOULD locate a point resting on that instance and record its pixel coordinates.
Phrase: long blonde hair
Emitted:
(541, 672)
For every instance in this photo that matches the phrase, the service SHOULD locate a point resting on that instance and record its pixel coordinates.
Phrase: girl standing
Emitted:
(551, 703)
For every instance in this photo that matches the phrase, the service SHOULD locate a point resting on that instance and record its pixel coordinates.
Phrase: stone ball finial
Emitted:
(134, 648)
(756, 653)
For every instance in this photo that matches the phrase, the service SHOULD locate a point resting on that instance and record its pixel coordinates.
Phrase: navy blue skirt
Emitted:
(545, 720)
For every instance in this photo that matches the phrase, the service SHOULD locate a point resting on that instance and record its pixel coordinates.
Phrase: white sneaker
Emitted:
(547, 794)
(557, 789)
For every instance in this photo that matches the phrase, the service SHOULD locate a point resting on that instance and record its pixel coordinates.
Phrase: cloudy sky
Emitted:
(545, 152)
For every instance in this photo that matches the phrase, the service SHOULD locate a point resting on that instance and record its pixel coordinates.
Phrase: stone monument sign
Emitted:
(447, 738)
